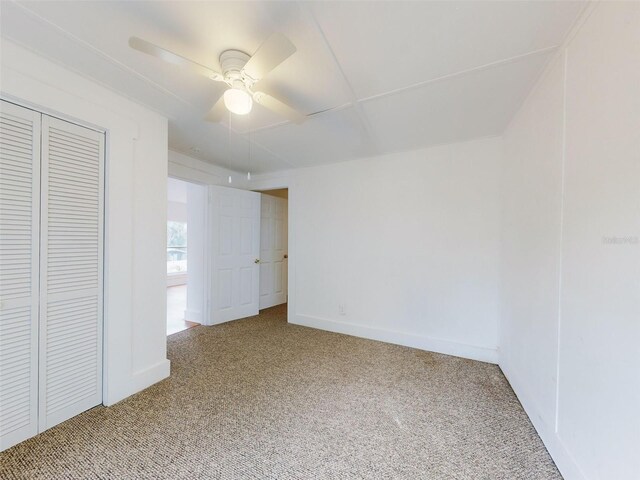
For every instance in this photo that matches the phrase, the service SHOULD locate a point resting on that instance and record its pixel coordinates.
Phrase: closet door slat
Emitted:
(19, 250)
(70, 270)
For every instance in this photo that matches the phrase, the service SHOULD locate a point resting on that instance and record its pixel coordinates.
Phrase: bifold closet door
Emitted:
(70, 270)
(19, 238)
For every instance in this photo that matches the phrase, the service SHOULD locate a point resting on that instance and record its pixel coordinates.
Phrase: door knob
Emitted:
(257, 260)
(286, 256)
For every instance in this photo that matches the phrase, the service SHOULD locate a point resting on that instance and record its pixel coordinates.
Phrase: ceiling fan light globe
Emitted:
(238, 101)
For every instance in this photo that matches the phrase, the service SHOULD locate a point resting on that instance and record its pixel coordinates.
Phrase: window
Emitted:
(176, 247)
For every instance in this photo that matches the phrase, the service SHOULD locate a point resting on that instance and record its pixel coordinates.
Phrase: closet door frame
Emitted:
(46, 421)
(39, 112)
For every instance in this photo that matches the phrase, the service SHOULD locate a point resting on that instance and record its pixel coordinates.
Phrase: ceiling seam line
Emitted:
(364, 122)
(310, 115)
(100, 53)
(278, 156)
(461, 73)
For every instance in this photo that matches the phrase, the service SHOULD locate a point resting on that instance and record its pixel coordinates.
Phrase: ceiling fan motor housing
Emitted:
(232, 62)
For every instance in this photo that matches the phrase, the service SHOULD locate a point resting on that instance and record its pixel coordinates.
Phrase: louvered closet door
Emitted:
(19, 236)
(70, 271)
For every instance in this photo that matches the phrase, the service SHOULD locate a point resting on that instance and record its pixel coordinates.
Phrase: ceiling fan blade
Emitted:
(279, 107)
(170, 57)
(217, 112)
(273, 51)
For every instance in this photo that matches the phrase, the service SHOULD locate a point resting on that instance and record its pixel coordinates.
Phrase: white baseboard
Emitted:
(140, 380)
(472, 352)
(563, 459)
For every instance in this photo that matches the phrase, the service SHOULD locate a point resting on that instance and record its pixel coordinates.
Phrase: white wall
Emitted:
(176, 212)
(570, 328)
(408, 243)
(191, 169)
(197, 229)
(136, 171)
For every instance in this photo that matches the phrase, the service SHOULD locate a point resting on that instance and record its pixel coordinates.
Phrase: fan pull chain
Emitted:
(249, 169)
(229, 141)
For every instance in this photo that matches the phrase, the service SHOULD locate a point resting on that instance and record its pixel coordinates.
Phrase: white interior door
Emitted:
(19, 250)
(70, 270)
(235, 236)
(273, 251)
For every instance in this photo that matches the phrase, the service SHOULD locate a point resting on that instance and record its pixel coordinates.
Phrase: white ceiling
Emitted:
(394, 75)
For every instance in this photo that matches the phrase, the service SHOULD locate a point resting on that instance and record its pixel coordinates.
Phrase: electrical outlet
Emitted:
(342, 309)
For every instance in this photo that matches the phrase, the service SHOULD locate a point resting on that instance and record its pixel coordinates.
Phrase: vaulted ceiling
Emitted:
(384, 76)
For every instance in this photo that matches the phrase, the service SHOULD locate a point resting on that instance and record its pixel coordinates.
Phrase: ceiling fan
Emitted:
(241, 72)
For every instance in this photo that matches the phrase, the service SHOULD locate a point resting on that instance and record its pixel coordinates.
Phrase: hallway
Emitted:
(176, 305)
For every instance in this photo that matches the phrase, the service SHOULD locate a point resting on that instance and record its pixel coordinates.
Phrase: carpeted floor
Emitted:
(259, 398)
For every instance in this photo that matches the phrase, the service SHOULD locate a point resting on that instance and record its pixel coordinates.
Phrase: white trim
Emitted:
(139, 381)
(430, 344)
(207, 303)
(563, 181)
(175, 279)
(50, 113)
(272, 181)
(564, 461)
(153, 374)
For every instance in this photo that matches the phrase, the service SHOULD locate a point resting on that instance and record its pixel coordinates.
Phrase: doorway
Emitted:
(227, 253)
(186, 206)
(274, 247)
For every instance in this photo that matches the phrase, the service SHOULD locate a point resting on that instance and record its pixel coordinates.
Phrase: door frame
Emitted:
(276, 182)
(206, 257)
(265, 196)
(206, 239)
(104, 197)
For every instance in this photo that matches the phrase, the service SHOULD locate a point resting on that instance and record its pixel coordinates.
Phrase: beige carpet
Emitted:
(259, 398)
